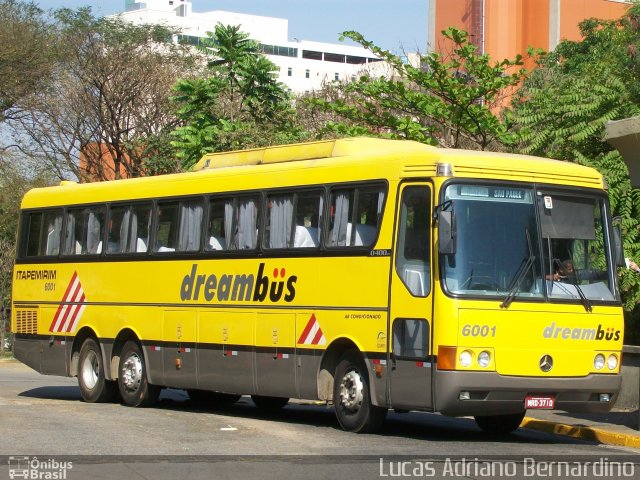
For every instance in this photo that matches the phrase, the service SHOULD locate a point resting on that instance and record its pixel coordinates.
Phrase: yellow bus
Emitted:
(372, 274)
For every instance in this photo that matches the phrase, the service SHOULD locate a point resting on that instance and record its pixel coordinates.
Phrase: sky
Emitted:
(396, 25)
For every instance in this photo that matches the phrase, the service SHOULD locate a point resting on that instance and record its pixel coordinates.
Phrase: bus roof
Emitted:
(322, 162)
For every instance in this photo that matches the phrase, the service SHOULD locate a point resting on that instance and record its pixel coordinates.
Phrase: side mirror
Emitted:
(446, 233)
(617, 243)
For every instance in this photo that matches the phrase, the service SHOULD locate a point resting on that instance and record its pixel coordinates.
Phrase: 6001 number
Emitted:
(478, 331)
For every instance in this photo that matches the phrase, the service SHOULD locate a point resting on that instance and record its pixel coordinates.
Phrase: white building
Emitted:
(304, 65)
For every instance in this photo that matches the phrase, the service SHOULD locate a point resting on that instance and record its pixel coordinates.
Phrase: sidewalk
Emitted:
(613, 428)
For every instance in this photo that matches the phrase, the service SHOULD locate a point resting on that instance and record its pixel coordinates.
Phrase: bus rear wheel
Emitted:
(269, 403)
(94, 387)
(500, 424)
(352, 398)
(134, 387)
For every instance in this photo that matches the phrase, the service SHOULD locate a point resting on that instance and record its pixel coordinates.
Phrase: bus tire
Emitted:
(269, 403)
(94, 387)
(212, 399)
(500, 424)
(352, 398)
(134, 387)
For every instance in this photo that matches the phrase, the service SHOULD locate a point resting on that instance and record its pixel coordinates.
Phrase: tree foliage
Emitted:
(447, 100)
(107, 109)
(25, 54)
(14, 183)
(563, 107)
(239, 104)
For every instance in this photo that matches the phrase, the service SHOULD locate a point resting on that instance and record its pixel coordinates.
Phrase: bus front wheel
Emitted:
(132, 378)
(500, 424)
(351, 396)
(94, 387)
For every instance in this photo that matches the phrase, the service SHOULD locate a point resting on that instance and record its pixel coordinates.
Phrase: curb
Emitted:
(584, 433)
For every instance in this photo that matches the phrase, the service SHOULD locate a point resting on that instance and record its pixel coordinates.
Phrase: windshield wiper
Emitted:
(575, 281)
(522, 271)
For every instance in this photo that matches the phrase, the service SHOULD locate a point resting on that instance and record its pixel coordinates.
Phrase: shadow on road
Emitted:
(413, 425)
(54, 393)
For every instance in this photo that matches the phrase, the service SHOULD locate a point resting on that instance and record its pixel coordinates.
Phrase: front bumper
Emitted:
(494, 394)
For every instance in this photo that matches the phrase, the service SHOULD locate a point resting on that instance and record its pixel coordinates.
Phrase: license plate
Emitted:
(539, 402)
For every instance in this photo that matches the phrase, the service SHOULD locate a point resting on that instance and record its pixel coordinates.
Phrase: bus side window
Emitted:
(277, 232)
(179, 226)
(53, 230)
(128, 228)
(42, 232)
(355, 216)
(308, 220)
(141, 222)
(116, 242)
(94, 230)
(220, 225)
(412, 257)
(32, 234)
(72, 244)
(84, 229)
(167, 227)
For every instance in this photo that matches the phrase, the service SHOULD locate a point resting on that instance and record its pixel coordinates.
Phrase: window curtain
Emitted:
(190, 227)
(280, 221)
(70, 235)
(338, 235)
(54, 230)
(140, 227)
(94, 231)
(230, 238)
(320, 213)
(380, 205)
(125, 233)
(247, 223)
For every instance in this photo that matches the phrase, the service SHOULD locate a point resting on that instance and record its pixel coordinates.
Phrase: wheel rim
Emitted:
(90, 370)
(131, 373)
(352, 391)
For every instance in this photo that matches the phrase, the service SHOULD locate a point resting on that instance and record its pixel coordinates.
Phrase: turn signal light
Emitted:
(446, 358)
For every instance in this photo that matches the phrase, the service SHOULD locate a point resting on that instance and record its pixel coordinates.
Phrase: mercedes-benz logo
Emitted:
(546, 363)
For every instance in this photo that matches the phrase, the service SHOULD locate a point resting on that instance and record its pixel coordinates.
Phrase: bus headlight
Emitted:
(465, 358)
(484, 359)
(612, 362)
(598, 362)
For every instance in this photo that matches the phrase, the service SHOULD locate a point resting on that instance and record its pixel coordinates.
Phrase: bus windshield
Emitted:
(518, 242)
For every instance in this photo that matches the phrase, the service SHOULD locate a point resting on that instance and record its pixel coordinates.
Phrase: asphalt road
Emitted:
(44, 417)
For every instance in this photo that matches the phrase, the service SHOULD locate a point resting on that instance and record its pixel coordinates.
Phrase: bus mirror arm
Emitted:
(446, 233)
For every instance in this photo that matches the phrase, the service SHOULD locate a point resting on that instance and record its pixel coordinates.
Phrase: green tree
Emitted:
(14, 183)
(449, 101)
(563, 107)
(239, 104)
(107, 109)
(26, 56)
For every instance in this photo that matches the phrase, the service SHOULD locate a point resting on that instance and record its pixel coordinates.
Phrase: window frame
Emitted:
(357, 186)
(295, 193)
(129, 206)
